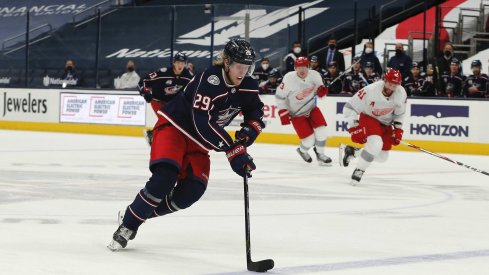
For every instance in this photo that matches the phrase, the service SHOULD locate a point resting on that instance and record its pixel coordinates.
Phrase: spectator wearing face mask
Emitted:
(70, 76)
(128, 80)
(292, 56)
(332, 54)
(400, 61)
(261, 73)
(445, 59)
(368, 55)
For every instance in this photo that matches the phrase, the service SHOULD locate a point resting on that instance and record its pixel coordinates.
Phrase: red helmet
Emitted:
(301, 61)
(393, 76)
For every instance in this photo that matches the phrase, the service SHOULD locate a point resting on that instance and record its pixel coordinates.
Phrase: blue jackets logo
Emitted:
(440, 120)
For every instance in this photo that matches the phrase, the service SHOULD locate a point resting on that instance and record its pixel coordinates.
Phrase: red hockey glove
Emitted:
(358, 134)
(146, 93)
(249, 131)
(284, 116)
(397, 136)
(323, 90)
(241, 162)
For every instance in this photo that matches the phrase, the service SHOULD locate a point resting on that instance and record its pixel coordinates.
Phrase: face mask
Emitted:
(265, 66)
(331, 46)
(368, 50)
(130, 69)
(398, 51)
(69, 68)
(297, 50)
(448, 53)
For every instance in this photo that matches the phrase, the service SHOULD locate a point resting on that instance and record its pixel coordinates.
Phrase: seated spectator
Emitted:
(354, 80)
(400, 61)
(291, 56)
(261, 73)
(370, 74)
(70, 76)
(332, 54)
(314, 65)
(332, 74)
(476, 83)
(128, 80)
(269, 87)
(416, 83)
(368, 56)
(452, 82)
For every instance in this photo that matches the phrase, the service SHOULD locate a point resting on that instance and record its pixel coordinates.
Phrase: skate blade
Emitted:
(354, 183)
(328, 164)
(114, 246)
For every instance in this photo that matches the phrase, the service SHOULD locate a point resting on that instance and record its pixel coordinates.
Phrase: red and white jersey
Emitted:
(296, 95)
(372, 102)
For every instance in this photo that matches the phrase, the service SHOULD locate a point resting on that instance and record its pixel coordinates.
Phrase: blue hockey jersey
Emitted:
(208, 104)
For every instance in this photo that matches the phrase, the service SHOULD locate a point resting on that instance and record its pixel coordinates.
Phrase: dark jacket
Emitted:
(401, 62)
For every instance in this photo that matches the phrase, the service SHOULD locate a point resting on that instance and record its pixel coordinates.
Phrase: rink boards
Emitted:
(452, 126)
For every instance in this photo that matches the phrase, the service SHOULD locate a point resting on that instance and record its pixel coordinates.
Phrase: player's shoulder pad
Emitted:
(163, 70)
(288, 75)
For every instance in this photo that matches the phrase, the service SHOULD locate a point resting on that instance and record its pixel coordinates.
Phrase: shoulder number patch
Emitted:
(214, 80)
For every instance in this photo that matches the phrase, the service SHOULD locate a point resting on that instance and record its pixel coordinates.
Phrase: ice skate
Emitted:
(120, 238)
(347, 153)
(323, 160)
(148, 135)
(305, 156)
(356, 176)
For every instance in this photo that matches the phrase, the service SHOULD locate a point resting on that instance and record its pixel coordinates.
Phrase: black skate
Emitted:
(148, 135)
(347, 153)
(305, 156)
(120, 238)
(356, 176)
(323, 160)
(120, 219)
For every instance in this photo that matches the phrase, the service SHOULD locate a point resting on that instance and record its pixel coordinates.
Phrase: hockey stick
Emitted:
(260, 266)
(443, 157)
(334, 80)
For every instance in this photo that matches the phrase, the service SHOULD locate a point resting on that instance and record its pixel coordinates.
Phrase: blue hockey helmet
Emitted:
(240, 50)
(476, 63)
(179, 56)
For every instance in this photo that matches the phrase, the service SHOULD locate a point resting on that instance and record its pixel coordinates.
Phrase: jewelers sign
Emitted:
(102, 109)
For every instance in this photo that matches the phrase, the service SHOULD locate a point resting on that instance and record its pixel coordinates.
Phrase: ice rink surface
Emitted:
(415, 214)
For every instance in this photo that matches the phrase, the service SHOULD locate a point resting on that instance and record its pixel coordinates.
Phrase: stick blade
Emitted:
(260, 266)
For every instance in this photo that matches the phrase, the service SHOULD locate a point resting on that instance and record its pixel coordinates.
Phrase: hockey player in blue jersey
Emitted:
(191, 125)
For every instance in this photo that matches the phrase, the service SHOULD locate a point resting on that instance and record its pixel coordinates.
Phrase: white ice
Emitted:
(415, 214)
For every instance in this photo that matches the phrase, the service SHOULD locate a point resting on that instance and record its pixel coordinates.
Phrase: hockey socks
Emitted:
(186, 193)
(151, 196)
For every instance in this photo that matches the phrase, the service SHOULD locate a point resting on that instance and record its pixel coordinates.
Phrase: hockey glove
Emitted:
(146, 93)
(248, 133)
(241, 162)
(323, 90)
(284, 116)
(358, 134)
(397, 134)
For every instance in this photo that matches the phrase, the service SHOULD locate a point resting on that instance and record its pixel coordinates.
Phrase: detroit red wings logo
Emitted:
(382, 112)
(304, 93)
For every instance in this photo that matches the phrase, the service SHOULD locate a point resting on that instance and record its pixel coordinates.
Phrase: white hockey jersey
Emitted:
(296, 94)
(372, 102)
